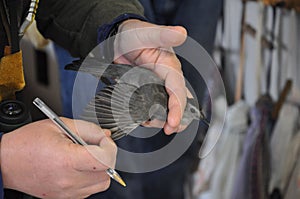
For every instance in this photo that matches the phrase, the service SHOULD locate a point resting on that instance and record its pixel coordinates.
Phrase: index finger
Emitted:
(168, 68)
(88, 131)
(175, 87)
(139, 33)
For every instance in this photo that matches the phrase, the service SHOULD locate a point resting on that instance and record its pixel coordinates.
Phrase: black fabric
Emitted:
(13, 7)
(165, 183)
(276, 194)
(20, 8)
(200, 19)
(3, 39)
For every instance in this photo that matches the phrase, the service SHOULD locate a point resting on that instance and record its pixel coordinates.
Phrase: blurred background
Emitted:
(256, 46)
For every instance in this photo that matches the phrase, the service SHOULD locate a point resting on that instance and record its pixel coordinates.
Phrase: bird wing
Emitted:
(99, 69)
(111, 110)
(118, 72)
(128, 101)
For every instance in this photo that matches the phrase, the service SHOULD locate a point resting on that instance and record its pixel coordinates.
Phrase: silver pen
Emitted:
(75, 138)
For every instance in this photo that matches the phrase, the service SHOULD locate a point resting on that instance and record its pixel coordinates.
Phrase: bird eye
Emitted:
(192, 110)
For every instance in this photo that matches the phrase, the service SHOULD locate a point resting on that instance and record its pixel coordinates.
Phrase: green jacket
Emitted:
(73, 24)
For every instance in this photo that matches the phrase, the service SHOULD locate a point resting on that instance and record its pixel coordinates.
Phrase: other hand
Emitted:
(40, 160)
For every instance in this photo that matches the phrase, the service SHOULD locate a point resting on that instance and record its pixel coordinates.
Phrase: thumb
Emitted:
(146, 35)
(162, 36)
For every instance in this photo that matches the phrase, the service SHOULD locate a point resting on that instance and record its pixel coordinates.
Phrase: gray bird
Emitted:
(132, 96)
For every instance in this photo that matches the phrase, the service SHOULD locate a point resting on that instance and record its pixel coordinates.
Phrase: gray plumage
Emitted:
(135, 96)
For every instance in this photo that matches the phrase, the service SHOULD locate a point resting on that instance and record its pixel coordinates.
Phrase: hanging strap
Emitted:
(12, 6)
(222, 49)
(282, 98)
(269, 69)
(239, 82)
(259, 50)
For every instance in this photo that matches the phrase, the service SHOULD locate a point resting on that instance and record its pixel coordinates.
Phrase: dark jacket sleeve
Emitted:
(73, 24)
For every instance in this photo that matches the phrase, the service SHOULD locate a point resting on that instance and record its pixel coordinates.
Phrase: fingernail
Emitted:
(107, 132)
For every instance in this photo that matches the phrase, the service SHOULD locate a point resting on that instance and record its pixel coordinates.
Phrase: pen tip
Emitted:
(120, 180)
(122, 183)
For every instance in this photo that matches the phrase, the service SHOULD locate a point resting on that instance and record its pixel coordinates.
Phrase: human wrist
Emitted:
(124, 23)
(1, 135)
(106, 30)
(6, 155)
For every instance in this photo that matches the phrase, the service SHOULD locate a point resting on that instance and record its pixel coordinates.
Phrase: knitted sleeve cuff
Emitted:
(105, 30)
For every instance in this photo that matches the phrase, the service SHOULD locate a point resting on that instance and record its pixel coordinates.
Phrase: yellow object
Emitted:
(118, 178)
(11, 75)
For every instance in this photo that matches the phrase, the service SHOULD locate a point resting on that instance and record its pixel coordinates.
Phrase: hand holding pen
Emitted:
(38, 159)
(74, 137)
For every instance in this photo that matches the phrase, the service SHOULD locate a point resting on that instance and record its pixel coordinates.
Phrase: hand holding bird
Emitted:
(143, 44)
(155, 90)
(137, 97)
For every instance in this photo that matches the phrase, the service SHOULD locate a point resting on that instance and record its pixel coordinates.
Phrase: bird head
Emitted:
(192, 112)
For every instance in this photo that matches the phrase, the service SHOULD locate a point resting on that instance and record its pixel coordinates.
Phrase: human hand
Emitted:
(150, 46)
(40, 160)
